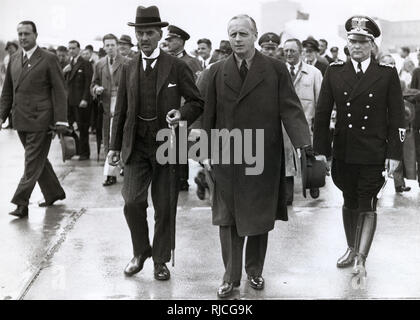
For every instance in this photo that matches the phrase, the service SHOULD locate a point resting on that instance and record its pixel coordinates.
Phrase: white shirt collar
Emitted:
(155, 54)
(365, 64)
(297, 66)
(30, 52)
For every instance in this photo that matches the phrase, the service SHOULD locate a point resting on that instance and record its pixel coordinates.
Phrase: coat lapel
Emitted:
(33, 61)
(299, 75)
(254, 76)
(17, 68)
(75, 67)
(370, 77)
(117, 63)
(134, 70)
(164, 66)
(231, 74)
(349, 75)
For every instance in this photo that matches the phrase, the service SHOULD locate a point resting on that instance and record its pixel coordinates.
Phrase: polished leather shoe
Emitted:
(314, 193)
(109, 181)
(161, 272)
(136, 264)
(20, 212)
(402, 189)
(50, 203)
(347, 259)
(226, 288)
(256, 282)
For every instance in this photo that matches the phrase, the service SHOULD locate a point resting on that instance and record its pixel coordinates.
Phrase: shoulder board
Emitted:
(337, 63)
(386, 65)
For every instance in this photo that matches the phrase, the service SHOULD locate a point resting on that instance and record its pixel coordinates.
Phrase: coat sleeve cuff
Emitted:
(59, 123)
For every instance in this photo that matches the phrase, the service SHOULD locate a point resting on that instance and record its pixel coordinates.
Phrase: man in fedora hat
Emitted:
(34, 91)
(125, 45)
(368, 134)
(311, 54)
(149, 97)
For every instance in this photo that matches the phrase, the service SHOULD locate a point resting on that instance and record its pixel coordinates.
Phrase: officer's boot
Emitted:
(350, 222)
(366, 227)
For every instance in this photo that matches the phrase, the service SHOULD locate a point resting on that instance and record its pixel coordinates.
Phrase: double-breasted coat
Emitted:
(370, 114)
(102, 78)
(265, 100)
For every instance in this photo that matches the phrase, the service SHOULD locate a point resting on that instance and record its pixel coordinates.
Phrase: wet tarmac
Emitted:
(78, 248)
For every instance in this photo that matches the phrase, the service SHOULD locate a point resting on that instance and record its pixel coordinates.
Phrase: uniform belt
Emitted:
(147, 119)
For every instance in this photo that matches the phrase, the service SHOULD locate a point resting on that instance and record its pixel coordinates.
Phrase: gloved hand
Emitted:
(59, 129)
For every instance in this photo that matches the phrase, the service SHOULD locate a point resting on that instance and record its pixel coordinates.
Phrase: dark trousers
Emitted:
(360, 183)
(417, 143)
(82, 118)
(37, 169)
(232, 250)
(142, 170)
(290, 185)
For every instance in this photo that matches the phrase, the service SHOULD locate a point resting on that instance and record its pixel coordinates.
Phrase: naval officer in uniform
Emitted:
(368, 135)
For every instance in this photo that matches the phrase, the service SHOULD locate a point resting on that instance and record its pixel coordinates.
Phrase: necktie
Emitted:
(292, 72)
(243, 70)
(359, 70)
(148, 65)
(72, 63)
(25, 60)
(111, 61)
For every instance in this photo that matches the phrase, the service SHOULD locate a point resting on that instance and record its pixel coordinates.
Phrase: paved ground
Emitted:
(78, 248)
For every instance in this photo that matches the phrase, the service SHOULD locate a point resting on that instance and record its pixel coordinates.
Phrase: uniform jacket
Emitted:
(321, 66)
(370, 112)
(174, 80)
(102, 77)
(193, 63)
(265, 100)
(78, 82)
(35, 94)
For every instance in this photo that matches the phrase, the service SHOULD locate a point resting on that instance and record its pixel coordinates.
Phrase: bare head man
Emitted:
(242, 31)
(27, 34)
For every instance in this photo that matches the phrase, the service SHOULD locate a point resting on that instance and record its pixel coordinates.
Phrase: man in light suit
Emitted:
(250, 91)
(105, 86)
(34, 92)
(149, 97)
(307, 82)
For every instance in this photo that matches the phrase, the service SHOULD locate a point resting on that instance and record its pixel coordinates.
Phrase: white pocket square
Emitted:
(170, 85)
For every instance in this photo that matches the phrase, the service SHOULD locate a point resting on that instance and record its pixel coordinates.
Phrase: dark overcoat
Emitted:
(265, 100)
(370, 114)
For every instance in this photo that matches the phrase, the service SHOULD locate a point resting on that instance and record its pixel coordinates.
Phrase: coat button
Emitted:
(365, 117)
(349, 115)
(350, 126)
(370, 95)
(367, 107)
(363, 128)
(345, 93)
(348, 104)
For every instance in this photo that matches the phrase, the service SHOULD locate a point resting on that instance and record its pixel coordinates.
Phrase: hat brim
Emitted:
(359, 36)
(269, 44)
(125, 42)
(150, 24)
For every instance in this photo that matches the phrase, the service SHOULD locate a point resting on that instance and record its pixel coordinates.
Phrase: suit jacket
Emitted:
(415, 84)
(102, 77)
(321, 66)
(78, 81)
(307, 85)
(370, 112)
(265, 100)
(36, 94)
(174, 80)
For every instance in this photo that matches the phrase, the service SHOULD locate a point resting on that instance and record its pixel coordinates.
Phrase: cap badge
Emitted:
(359, 23)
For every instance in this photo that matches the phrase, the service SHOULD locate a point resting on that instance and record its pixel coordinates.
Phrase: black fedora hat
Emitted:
(313, 173)
(148, 17)
(126, 39)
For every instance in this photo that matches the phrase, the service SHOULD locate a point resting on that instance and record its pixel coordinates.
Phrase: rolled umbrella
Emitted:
(173, 189)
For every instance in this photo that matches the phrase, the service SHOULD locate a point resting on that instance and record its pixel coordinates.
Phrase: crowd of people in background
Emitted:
(90, 110)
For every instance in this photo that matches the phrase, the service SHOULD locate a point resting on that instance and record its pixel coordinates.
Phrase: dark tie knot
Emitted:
(111, 61)
(243, 70)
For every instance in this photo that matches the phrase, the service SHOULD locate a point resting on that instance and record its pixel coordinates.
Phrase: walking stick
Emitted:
(173, 190)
